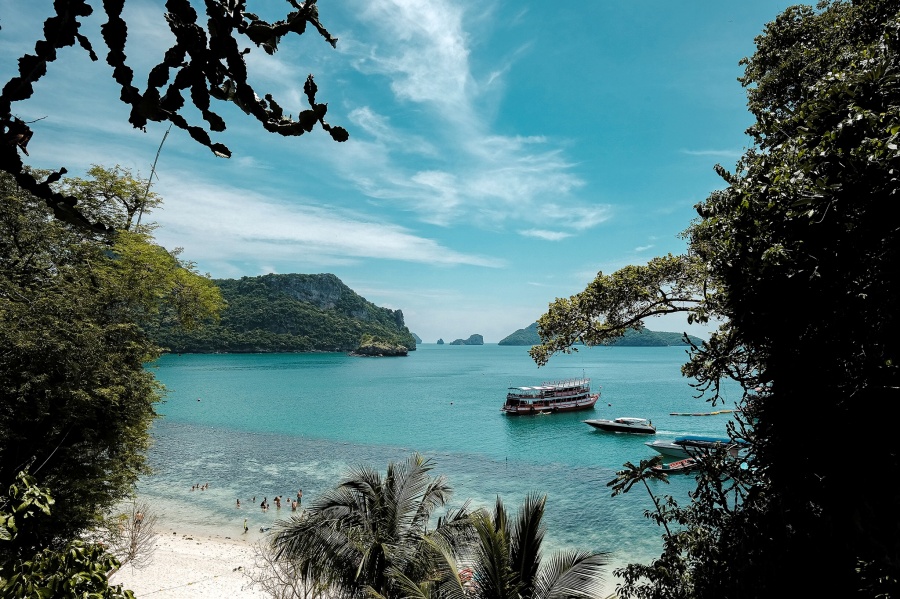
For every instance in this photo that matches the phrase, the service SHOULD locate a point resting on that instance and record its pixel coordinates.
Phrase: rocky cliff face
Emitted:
(327, 292)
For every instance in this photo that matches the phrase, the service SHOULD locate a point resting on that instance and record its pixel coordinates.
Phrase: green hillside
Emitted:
(288, 313)
(529, 336)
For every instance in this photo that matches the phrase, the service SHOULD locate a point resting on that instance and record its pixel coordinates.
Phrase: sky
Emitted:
(501, 154)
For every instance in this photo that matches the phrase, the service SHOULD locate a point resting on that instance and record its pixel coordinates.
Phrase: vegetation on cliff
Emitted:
(289, 313)
(372, 347)
(475, 339)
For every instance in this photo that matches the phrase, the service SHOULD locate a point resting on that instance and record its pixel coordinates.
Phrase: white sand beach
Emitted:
(198, 566)
(192, 566)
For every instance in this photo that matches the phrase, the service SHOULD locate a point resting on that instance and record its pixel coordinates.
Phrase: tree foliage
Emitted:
(76, 402)
(77, 570)
(377, 536)
(372, 531)
(797, 255)
(206, 62)
(508, 560)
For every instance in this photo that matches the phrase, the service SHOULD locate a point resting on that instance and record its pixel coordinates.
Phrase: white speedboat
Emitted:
(693, 445)
(625, 424)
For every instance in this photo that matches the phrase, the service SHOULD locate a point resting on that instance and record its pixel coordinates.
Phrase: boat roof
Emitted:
(551, 385)
(630, 419)
(699, 440)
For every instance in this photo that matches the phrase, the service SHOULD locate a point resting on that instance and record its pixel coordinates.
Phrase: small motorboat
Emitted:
(679, 467)
(625, 424)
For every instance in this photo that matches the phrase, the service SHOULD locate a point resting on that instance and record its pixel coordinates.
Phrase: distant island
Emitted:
(440, 342)
(416, 337)
(472, 340)
(643, 338)
(289, 313)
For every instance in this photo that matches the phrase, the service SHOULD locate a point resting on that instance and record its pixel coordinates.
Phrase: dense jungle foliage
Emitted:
(797, 257)
(287, 313)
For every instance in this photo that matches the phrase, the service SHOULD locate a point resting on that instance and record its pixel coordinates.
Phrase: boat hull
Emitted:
(691, 446)
(618, 427)
(532, 409)
(679, 467)
(668, 449)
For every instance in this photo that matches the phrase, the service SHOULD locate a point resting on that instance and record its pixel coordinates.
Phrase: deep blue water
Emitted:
(266, 425)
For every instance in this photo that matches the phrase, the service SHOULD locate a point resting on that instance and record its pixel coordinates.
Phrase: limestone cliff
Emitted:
(289, 312)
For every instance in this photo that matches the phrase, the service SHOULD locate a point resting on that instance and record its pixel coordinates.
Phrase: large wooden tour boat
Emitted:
(550, 397)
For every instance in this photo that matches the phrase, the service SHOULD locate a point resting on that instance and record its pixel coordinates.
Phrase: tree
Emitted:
(76, 402)
(115, 197)
(797, 255)
(129, 535)
(364, 536)
(507, 561)
(207, 60)
(77, 570)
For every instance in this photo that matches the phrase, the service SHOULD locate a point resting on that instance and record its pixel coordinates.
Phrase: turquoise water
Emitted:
(266, 425)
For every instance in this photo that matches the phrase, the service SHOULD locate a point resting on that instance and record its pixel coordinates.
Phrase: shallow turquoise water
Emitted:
(266, 425)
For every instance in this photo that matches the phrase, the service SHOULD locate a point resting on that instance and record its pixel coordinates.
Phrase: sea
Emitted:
(255, 426)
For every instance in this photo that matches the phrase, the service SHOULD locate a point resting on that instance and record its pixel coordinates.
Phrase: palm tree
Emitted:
(507, 562)
(370, 533)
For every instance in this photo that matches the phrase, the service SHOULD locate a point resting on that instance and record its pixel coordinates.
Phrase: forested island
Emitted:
(475, 339)
(288, 313)
(643, 338)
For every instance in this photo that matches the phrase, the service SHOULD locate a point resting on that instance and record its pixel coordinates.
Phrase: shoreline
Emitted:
(187, 565)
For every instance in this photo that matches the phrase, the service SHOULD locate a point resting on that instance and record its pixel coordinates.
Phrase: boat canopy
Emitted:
(555, 385)
(705, 441)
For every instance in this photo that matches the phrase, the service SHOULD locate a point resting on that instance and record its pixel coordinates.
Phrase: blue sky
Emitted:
(501, 153)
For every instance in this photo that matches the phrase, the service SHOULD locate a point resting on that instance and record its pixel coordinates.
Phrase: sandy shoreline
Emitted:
(193, 566)
(203, 566)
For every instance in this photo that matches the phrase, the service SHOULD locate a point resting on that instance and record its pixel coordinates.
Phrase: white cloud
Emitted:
(468, 173)
(425, 53)
(216, 224)
(547, 235)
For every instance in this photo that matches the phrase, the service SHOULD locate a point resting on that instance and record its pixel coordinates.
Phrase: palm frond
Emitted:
(495, 577)
(319, 548)
(526, 539)
(570, 574)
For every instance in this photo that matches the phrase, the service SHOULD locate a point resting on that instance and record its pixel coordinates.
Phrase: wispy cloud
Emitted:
(471, 174)
(713, 153)
(222, 224)
(543, 234)
(643, 248)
